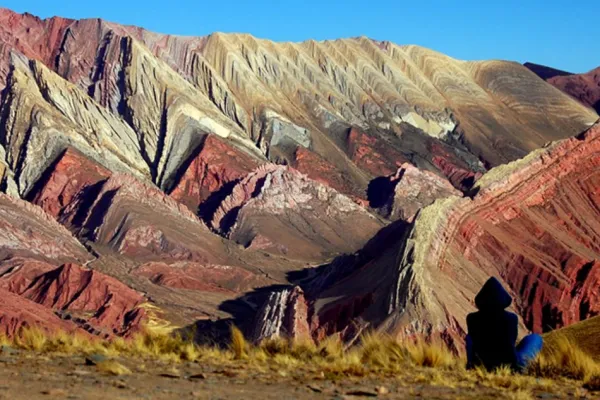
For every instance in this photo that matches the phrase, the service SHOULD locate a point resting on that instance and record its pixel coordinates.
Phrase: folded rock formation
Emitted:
(274, 100)
(203, 176)
(534, 223)
(98, 303)
(32, 245)
(282, 211)
(413, 190)
(583, 87)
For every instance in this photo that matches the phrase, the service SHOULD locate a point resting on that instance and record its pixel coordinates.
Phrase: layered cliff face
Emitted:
(25, 230)
(282, 211)
(583, 87)
(278, 101)
(413, 190)
(93, 301)
(38, 289)
(534, 223)
(192, 172)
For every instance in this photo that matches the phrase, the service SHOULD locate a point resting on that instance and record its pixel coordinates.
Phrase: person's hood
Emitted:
(492, 296)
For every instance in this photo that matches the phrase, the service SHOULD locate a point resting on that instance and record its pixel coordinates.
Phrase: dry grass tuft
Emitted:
(417, 360)
(31, 338)
(562, 358)
(383, 351)
(112, 367)
(5, 340)
(431, 354)
(239, 345)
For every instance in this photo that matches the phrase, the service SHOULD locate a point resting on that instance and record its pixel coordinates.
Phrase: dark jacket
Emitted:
(492, 330)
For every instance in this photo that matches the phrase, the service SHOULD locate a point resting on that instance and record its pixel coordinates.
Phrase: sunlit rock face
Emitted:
(36, 286)
(282, 211)
(534, 224)
(413, 190)
(583, 87)
(191, 173)
(272, 101)
(76, 293)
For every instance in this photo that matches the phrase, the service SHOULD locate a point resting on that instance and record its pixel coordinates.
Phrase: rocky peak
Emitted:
(415, 189)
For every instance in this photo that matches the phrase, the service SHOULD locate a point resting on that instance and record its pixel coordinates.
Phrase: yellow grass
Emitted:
(238, 346)
(585, 334)
(375, 354)
(520, 395)
(562, 358)
(434, 355)
(112, 367)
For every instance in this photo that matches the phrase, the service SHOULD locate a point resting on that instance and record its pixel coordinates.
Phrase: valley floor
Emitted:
(30, 375)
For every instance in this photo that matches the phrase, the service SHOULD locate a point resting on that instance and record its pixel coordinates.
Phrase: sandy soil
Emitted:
(26, 375)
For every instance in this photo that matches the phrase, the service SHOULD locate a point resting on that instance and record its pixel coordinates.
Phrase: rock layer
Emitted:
(280, 210)
(17, 313)
(165, 93)
(415, 189)
(98, 303)
(174, 162)
(32, 245)
(583, 87)
(534, 223)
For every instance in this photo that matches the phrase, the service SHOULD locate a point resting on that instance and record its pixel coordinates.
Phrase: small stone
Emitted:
(55, 392)
(382, 390)
(8, 350)
(228, 373)
(362, 392)
(315, 389)
(95, 359)
(120, 385)
(171, 375)
(79, 372)
(197, 376)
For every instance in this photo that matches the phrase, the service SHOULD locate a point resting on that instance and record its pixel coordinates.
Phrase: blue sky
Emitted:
(561, 34)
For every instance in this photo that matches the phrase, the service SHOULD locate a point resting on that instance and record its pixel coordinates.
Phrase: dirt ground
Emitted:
(27, 375)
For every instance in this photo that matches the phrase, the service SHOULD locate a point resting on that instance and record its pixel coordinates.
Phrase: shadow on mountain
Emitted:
(312, 280)
(380, 190)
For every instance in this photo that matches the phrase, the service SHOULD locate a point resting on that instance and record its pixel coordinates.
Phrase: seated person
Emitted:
(493, 332)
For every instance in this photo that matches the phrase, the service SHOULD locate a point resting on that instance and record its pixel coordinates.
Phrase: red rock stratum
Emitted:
(584, 87)
(533, 223)
(198, 177)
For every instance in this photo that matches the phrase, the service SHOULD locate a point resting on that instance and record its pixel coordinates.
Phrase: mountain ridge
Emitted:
(205, 172)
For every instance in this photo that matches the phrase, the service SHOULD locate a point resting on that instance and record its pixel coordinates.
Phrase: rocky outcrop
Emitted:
(16, 274)
(280, 210)
(97, 303)
(284, 314)
(43, 115)
(415, 189)
(65, 182)
(372, 154)
(319, 169)
(216, 165)
(32, 244)
(533, 223)
(140, 221)
(26, 230)
(17, 313)
(583, 87)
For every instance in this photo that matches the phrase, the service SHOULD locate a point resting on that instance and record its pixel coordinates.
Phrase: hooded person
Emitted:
(492, 332)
